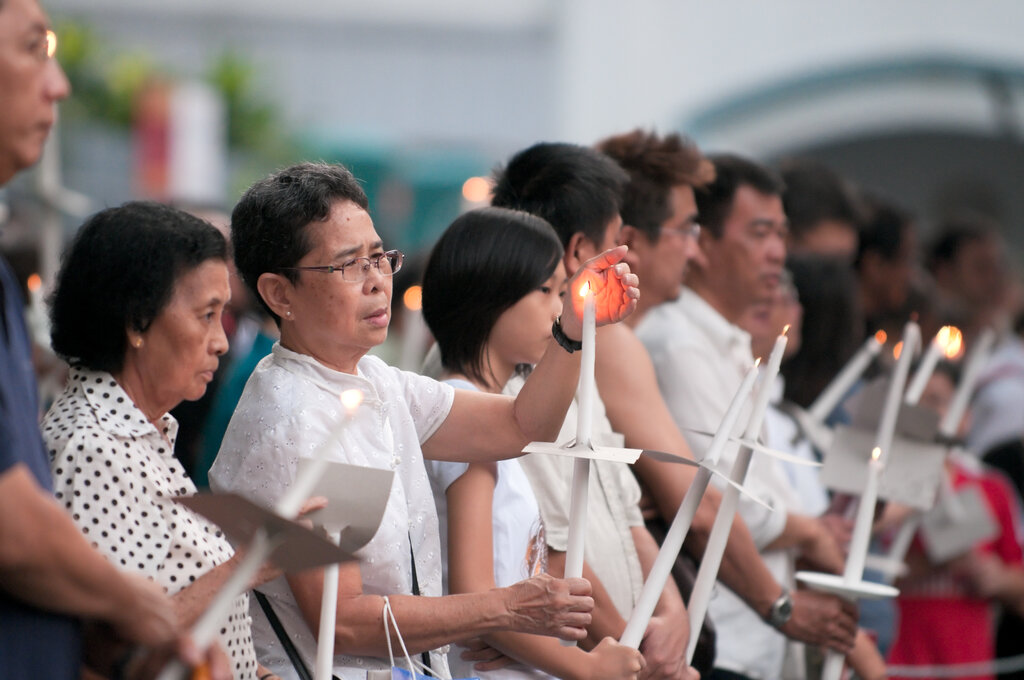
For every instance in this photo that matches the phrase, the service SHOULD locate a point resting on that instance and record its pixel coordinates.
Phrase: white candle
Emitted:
(673, 543)
(261, 545)
(891, 410)
(972, 371)
(328, 613)
(587, 387)
(414, 330)
(700, 598)
(584, 425)
(947, 342)
(204, 630)
(853, 572)
(841, 384)
(858, 550)
(298, 492)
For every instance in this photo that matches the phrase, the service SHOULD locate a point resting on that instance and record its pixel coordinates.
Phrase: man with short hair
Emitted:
(50, 577)
(824, 211)
(701, 356)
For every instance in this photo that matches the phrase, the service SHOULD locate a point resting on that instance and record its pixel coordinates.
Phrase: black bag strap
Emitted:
(282, 636)
(424, 656)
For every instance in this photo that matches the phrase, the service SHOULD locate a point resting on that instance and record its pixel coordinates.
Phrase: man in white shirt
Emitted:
(701, 355)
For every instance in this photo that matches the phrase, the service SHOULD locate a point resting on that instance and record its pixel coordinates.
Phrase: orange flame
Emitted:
(880, 337)
(585, 289)
(897, 350)
(876, 453)
(413, 298)
(951, 340)
(785, 329)
(35, 282)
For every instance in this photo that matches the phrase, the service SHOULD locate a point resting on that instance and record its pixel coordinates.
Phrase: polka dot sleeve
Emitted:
(95, 483)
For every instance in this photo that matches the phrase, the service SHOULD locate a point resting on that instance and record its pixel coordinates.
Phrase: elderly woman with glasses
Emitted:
(305, 243)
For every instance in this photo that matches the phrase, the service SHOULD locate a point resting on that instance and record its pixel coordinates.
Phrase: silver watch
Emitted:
(781, 610)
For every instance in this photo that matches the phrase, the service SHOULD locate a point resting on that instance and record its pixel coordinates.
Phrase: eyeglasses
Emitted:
(357, 269)
(692, 230)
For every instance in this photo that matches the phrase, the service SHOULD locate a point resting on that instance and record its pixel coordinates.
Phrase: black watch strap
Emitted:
(562, 339)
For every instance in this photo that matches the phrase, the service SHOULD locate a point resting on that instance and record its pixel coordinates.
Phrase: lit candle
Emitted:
(262, 545)
(584, 424)
(841, 384)
(298, 492)
(947, 342)
(700, 597)
(972, 371)
(328, 613)
(673, 543)
(853, 572)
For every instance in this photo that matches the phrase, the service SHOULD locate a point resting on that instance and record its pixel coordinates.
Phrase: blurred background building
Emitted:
(191, 100)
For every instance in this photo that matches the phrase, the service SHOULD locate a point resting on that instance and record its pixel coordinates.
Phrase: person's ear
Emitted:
(276, 290)
(579, 250)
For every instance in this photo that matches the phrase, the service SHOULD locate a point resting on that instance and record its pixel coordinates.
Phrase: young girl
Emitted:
(492, 288)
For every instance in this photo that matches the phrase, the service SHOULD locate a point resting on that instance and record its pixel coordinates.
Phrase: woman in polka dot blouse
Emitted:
(137, 315)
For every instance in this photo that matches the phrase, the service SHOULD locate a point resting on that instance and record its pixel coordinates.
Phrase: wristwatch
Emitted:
(781, 609)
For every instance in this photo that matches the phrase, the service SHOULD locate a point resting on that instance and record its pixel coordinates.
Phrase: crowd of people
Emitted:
(696, 264)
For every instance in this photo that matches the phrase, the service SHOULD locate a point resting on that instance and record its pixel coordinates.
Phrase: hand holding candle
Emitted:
(615, 288)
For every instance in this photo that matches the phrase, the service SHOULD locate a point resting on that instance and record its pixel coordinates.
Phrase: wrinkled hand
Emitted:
(149, 619)
(616, 290)
(664, 648)
(822, 619)
(545, 605)
(612, 661)
(487, 658)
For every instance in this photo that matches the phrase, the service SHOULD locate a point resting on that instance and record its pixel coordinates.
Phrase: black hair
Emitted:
(574, 188)
(714, 201)
(119, 274)
(268, 226)
(882, 231)
(953, 235)
(831, 324)
(814, 192)
(655, 165)
(486, 261)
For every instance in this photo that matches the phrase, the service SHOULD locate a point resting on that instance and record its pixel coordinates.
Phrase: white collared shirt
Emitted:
(700, 359)
(115, 473)
(289, 407)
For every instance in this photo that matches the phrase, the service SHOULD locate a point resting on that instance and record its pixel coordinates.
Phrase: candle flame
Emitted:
(351, 399)
(880, 337)
(757, 361)
(785, 329)
(951, 340)
(35, 282)
(897, 350)
(413, 298)
(876, 453)
(585, 289)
